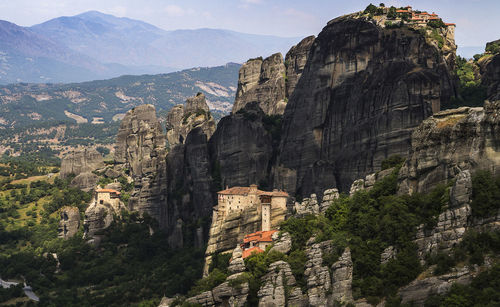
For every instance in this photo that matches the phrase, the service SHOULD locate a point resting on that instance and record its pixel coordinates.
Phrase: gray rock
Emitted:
(237, 265)
(461, 192)
(329, 196)
(69, 223)
(344, 116)
(388, 254)
(319, 282)
(183, 119)
(262, 81)
(295, 61)
(111, 173)
(86, 181)
(307, 206)
(357, 185)
(140, 149)
(491, 78)
(229, 293)
(279, 287)
(283, 243)
(449, 142)
(81, 161)
(342, 278)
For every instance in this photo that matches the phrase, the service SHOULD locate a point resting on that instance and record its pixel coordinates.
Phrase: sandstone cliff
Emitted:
(262, 81)
(81, 161)
(241, 148)
(491, 78)
(295, 61)
(449, 142)
(69, 223)
(182, 119)
(363, 89)
(140, 152)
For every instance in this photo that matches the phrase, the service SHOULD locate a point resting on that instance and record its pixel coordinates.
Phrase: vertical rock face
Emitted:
(229, 293)
(81, 161)
(491, 78)
(99, 216)
(182, 119)
(262, 81)
(295, 61)
(85, 181)
(70, 222)
(361, 93)
(342, 278)
(279, 287)
(140, 150)
(318, 276)
(189, 173)
(449, 142)
(242, 148)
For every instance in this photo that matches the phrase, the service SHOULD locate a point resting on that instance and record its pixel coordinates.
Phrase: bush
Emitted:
(485, 194)
(392, 161)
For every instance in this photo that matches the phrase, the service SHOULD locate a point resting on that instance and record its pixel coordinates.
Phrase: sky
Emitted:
(477, 20)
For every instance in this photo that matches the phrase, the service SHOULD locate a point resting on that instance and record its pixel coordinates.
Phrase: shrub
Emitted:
(485, 194)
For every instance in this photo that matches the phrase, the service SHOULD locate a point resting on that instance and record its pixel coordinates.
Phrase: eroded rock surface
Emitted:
(363, 94)
(262, 81)
(277, 284)
(81, 161)
(295, 61)
(86, 181)
(318, 277)
(491, 78)
(449, 142)
(342, 278)
(229, 293)
(182, 119)
(69, 223)
(140, 149)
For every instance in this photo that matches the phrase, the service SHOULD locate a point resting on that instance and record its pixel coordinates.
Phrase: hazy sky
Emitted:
(478, 21)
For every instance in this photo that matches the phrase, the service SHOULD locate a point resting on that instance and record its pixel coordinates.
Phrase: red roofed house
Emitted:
(107, 196)
(257, 242)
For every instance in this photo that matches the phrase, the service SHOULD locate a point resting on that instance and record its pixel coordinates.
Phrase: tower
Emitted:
(265, 202)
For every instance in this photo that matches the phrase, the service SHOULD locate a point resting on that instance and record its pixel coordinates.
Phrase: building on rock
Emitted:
(257, 242)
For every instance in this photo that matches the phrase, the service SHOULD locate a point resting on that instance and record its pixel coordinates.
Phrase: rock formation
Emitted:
(140, 151)
(189, 169)
(491, 78)
(86, 181)
(69, 223)
(262, 81)
(81, 161)
(449, 142)
(295, 61)
(279, 287)
(317, 274)
(310, 205)
(182, 119)
(98, 216)
(229, 293)
(242, 148)
(342, 278)
(362, 92)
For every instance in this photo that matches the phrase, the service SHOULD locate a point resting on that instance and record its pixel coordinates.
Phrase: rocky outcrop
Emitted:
(69, 223)
(491, 78)
(420, 289)
(98, 217)
(232, 292)
(362, 92)
(236, 264)
(317, 275)
(282, 242)
(226, 233)
(81, 161)
(449, 142)
(262, 81)
(369, 181)
(279, 287)
(182, 119)
(242, 148)
(189, 169)
(140, 150)
(342, 278)
(86, 181)
(295, 61)
(310, 205)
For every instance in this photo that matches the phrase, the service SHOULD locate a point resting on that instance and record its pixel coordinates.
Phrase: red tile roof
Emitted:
(246, 190)
(259, 236)
(450, 24)
(401, 11)
(250, 251)
(108, 191)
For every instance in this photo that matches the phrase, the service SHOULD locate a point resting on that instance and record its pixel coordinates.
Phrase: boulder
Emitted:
(277, 284)
(81, 161)
(86, 181)
(281, 242)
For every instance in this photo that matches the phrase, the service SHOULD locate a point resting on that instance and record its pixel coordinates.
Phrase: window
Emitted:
(101, 201)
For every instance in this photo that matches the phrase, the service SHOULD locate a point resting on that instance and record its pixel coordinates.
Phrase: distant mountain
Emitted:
(24, 104)
(136, 45)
